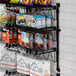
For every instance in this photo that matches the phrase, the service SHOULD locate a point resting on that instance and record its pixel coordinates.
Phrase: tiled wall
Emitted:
(68, 37)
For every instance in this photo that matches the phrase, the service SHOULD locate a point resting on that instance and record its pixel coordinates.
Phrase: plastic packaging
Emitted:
(23, 64)
(43, 2)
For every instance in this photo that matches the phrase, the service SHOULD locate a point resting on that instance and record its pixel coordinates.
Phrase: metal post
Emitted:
(57, 35)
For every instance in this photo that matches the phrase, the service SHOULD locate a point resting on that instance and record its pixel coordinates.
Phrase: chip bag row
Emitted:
(31, 2)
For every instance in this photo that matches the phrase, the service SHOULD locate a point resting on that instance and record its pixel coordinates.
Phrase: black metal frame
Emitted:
(43, 30)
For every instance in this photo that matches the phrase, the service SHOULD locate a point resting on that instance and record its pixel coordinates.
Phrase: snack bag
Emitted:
(49, 20)
(31, 2)
(4, 16)
(25, 39)
(9, 16)
(13, 1)
(4, 36)
(35, 67)
(8, 59)
(43, 2)
(49, 2)
(14, 35)
(0, 15)
(31, 40)
(35, 1)
(19, 39)
(39, 41)
(13, 17)
(24, 2)
(45, 42)
(46, 68)
(0, 34)
(49, 41)
(23, 64)
(9, 37)
(20, 20)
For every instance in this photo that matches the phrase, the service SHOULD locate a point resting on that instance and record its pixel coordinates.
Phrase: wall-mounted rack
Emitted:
(37, 9)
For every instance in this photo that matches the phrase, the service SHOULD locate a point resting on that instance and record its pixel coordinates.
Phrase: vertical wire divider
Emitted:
(57, 38)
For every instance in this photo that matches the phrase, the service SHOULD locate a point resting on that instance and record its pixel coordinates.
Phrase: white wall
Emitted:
(68, 37)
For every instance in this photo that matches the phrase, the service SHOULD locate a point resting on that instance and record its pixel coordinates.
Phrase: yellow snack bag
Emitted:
(43, 2)
(31, 2)
(35, 1)
(24, 2)
(13, 1)
(49, 2)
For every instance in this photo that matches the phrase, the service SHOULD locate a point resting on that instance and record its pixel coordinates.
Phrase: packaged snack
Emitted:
(49, 20)
(9, 16)
(4, 36)
(0, 15)
(24, 2)
(25, 39)
(45, 42)
(4, 16)
(31, 40)
(43, 2)
(9, 37)
(49, 41)
(31, 2)
(20, 20)
(13, 1)
(13, 17)
(14, 35)
(46, 67)
(19, 39)
(49, 2)
(8, 60)
(0, 34)
(39, 41)
(39, 67)
(35, 67)
(35, 1)
(23, 64)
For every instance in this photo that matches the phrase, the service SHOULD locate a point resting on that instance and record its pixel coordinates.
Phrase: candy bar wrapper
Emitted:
(35, 67)
(43, 2)
(8, 59)
(23, 64)
(46, 68)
